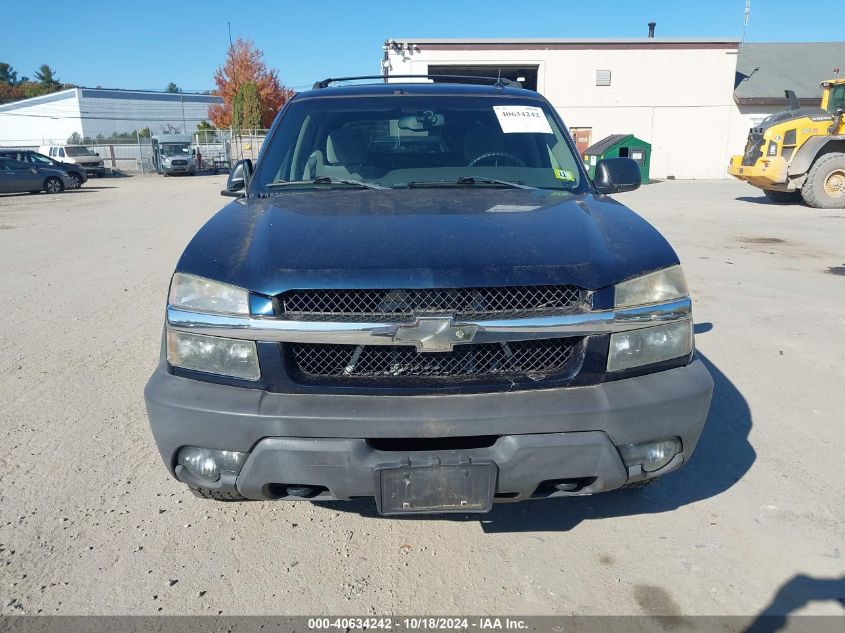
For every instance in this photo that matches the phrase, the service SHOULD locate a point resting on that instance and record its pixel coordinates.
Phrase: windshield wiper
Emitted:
(325, 180)
(470, 180)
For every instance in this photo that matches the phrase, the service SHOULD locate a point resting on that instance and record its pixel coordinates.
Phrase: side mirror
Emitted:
(239, 179)
(615, 175)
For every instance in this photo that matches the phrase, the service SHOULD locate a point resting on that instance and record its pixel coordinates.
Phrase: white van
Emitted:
(77, 155)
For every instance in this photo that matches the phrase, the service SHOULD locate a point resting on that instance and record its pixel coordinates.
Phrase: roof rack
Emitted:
(498, 82)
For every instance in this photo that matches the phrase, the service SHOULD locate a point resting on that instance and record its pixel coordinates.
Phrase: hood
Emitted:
(84, 160)
(814, 114)
(416, 238)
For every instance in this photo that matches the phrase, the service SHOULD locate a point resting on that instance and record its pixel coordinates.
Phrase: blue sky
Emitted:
(148, 44)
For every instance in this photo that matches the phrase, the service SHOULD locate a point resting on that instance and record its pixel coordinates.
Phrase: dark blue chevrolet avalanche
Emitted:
(419, 296)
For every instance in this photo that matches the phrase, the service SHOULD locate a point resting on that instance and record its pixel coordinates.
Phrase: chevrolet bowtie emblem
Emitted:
(434, 334)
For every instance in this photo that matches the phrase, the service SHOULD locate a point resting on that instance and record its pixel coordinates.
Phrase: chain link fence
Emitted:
(216, 150)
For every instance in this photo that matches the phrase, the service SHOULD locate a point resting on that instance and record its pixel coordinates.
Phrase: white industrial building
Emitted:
(98, 112)
(677, 94)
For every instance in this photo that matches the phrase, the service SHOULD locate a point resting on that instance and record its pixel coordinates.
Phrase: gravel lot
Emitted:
(91, 523)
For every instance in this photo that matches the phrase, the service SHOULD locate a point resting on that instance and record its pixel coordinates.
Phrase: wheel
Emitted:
(783, 196)
(76, 180)
(217, 495)
(53, 185)
(825, 184)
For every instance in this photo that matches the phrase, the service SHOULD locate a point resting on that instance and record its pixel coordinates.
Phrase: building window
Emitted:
(602, 77)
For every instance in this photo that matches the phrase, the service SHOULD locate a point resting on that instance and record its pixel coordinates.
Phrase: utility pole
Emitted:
(140, 153)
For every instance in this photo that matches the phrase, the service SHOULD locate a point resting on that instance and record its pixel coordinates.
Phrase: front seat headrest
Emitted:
(346, 146)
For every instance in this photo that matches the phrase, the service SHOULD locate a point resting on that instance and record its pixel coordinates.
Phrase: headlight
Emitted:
(649, 345)
(203, 295)
(657, 287)
(213, 354)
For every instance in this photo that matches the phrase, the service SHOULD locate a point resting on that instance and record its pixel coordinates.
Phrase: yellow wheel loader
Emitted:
(799, 153)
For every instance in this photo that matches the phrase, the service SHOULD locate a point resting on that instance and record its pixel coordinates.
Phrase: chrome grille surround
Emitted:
(586, 323)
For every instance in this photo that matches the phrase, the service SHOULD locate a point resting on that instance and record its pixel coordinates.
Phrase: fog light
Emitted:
(209, 463)
(650, 455)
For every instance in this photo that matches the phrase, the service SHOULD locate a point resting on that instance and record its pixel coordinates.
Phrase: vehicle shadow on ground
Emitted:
(765, 201)
(795, 594)
(723, 455)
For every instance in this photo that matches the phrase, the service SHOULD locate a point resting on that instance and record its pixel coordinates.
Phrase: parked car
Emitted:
(17, 176)
(77, 174)
(76, 155)
(437, 324)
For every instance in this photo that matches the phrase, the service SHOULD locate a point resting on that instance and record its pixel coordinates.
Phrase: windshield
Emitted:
(175, 149)
(41, 159)
(419, 140)
(78, 151)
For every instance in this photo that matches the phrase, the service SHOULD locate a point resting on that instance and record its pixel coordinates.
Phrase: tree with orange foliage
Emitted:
(244, 65)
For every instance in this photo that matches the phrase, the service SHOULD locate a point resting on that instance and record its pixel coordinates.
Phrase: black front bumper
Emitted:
(330, 441)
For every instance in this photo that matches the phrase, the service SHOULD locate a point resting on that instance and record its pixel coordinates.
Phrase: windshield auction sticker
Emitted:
(522, 119)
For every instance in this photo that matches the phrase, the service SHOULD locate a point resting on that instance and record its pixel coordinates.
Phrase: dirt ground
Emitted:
(91, 522)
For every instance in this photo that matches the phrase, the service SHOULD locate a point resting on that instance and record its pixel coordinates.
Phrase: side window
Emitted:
(62, 152)
(52, 151)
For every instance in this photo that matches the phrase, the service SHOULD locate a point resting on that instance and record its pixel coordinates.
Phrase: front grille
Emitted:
(753, 148)
(533, 359)
(404, 305)
(179, 163)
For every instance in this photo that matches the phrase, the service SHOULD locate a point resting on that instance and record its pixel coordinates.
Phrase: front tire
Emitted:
(53, 185)
(216, 495)
(784, 197)
(643, 483)
(75, 180)
(825, 184)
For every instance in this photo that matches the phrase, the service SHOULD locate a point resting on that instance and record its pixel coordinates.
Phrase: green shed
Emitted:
(619, 146)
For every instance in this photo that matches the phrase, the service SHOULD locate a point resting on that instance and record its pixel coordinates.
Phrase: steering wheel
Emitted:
(516, 160)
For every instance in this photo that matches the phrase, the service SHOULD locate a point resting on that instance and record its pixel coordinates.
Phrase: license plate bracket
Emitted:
(434, 489)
